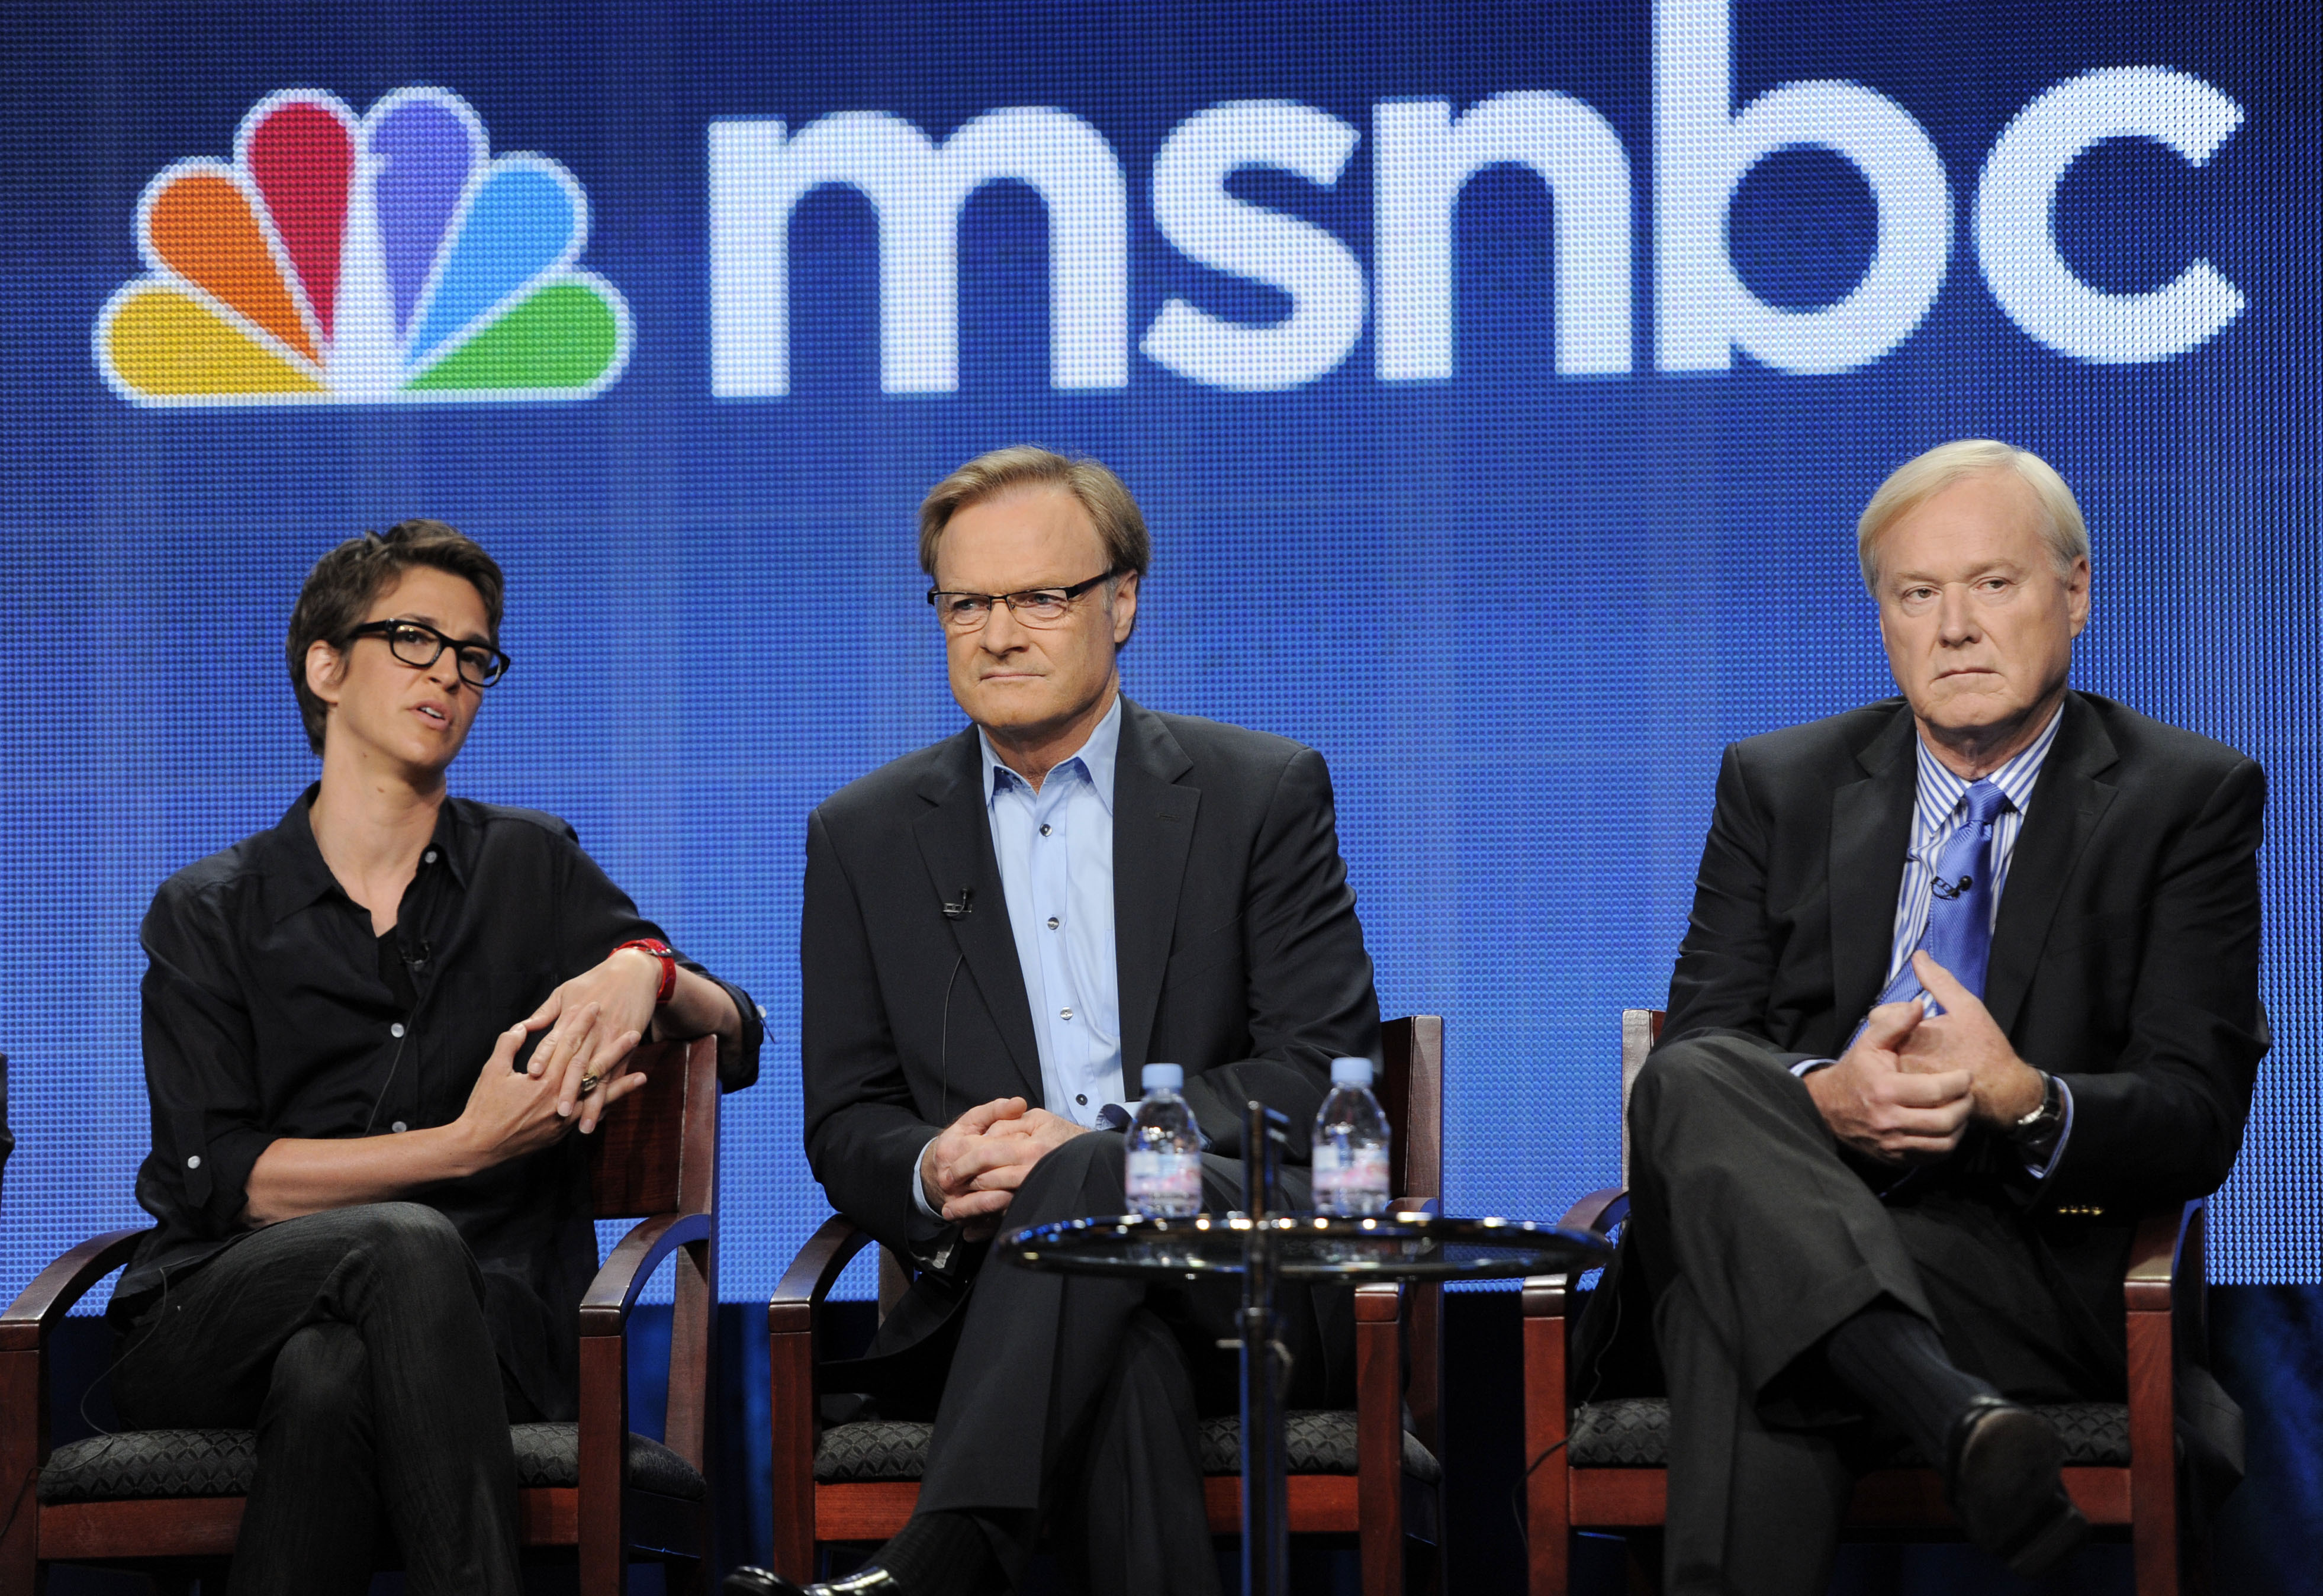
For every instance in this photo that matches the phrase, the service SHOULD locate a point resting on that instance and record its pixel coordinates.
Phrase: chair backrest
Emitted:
(1410, 1084)
(657, 1151)
(1641, 1029)
(1411, 1091)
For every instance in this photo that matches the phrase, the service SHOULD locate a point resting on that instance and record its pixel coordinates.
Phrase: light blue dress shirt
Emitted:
(1055, 849)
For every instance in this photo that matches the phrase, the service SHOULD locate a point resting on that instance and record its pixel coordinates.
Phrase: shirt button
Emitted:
(428, 857)
(398, 1126)
(1065, 1013)
(1044, 831)
(1081, 1098)
(194, 1162)
(396, 1029)
(1053, 923)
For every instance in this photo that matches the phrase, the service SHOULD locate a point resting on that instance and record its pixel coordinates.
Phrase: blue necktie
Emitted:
(1958, 934)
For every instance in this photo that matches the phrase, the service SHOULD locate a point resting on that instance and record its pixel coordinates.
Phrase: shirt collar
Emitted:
(297, 877)
(2014, 779)
(1097, 758)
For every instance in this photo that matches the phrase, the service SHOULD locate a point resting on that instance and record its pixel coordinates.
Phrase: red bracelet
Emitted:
(668, 956)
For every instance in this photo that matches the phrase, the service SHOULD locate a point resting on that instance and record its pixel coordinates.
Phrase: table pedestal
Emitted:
(1265, 1474)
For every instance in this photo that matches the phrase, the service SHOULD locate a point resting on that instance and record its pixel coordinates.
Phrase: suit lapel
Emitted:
(1871, 829)
(2067, 803)
(955, 841)
(1153, 831)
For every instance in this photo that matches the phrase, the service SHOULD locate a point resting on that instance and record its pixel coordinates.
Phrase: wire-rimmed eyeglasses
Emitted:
(1035, 606)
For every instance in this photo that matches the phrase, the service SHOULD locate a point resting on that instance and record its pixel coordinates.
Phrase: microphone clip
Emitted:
(963, 908)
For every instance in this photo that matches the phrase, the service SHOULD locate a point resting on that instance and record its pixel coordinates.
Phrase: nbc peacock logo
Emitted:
(385, 259)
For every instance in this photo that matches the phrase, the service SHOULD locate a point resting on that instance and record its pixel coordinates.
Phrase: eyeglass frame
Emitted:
(384, 630)
(1023, 595)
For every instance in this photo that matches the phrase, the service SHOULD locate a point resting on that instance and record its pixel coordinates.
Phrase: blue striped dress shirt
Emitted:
(1936, 814)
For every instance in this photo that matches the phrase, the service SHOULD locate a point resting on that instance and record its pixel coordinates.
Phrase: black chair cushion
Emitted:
(141, 1466)
(871, 1449)
(1634, 1434)
(550, 1454)
(1316, 1441)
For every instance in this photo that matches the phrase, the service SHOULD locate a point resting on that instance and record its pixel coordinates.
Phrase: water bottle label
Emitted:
(1165, 1183)
(1351, 1179)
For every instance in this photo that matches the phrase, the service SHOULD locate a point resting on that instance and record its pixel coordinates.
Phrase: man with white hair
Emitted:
(1970, 983)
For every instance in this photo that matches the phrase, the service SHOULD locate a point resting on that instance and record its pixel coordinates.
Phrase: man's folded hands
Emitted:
(973, 1169)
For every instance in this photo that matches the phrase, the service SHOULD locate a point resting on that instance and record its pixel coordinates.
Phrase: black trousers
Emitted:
(1758, 1237)
(354, 1342)
(1071, 1401)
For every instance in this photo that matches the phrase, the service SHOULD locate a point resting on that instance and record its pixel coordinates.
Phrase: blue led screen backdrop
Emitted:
(1500, 383)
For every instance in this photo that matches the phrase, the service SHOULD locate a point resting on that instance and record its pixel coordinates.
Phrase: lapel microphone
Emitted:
(965, 907)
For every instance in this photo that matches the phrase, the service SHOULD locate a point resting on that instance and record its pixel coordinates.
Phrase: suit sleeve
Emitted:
(2166, 1122)
(863, 1134)
(1309, 983)
(1726, 965)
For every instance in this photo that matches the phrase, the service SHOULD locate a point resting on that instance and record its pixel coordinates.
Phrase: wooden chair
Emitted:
(1362, 1473)
(655, 1158)
(1599, 1465)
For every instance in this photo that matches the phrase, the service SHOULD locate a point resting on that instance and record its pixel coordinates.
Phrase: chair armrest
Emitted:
(28, 1320)
(606, 1305)
(811, 1275)
(1545, 1296)
(1378, 1300)
(1600, 1211)
(2159, 1258)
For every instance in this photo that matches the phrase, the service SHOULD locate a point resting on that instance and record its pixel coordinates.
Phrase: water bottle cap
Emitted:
(1164, 1077)
(1351, 1072)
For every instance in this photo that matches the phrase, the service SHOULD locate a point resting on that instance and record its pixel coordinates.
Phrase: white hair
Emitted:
(1917, 480)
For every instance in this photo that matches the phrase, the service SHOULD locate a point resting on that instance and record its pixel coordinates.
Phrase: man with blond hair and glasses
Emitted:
(1970, 986)
(373, 1222)
(1000, 931)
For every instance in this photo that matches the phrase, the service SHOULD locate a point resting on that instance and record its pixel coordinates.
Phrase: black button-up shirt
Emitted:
(272, 1009)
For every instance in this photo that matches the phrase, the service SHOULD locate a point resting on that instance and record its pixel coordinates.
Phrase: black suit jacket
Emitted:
(2125, 957)
(1238, 952)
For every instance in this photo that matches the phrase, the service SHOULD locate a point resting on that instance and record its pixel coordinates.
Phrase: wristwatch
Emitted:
(668, 956)
(2043, 1121)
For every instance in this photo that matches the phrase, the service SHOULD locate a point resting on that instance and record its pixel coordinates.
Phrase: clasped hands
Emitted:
(579, 1070)
(972, 1168)
(1906, 1089)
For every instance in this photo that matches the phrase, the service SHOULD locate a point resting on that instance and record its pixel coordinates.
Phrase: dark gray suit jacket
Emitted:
(1239, 954)
(2125, 957)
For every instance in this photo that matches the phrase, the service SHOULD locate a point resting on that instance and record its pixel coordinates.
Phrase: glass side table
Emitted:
(1264, 1246)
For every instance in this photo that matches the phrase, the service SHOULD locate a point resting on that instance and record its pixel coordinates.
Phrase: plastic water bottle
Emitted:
(1165, 1150)
(1351, 1146)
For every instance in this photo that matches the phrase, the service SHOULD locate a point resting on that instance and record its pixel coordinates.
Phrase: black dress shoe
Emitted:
(746, 1580)
(2004, 1484)
(757, 1582)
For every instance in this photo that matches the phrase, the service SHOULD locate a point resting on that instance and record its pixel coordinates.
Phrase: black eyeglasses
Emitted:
(418, 646)
(1035, 606)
